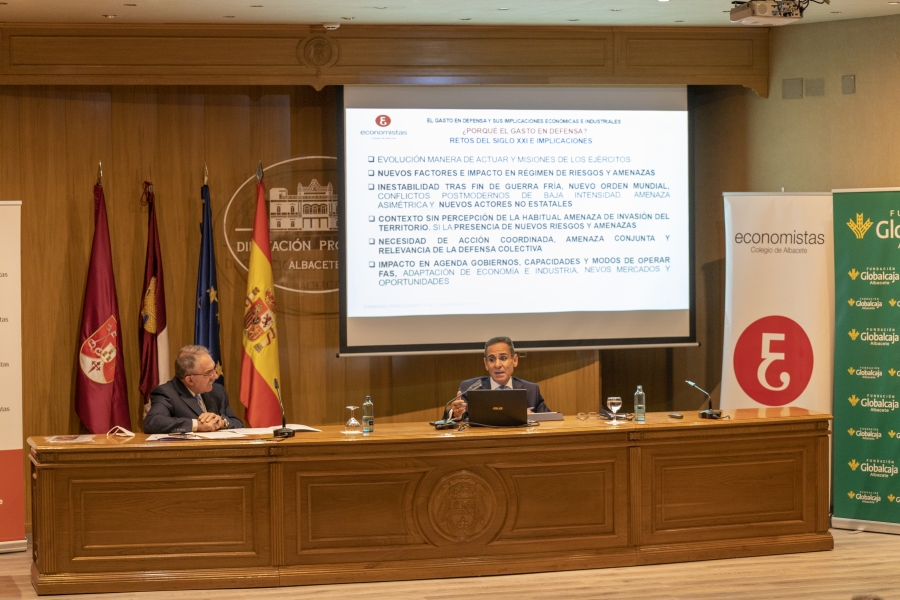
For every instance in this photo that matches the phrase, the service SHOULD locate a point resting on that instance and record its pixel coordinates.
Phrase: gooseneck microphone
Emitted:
(451, 423)
(284, 432)
(709, 413)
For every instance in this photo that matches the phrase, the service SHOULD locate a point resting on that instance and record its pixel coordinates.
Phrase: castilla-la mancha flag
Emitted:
(101, 398)
(259, 360)
(152, 331)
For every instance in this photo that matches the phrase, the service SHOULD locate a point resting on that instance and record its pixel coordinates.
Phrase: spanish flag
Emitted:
(259, 360)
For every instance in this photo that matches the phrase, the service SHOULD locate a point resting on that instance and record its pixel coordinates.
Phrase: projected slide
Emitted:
(560, 217)
(452, 211)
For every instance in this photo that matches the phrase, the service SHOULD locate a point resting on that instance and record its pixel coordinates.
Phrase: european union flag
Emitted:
(206, 317)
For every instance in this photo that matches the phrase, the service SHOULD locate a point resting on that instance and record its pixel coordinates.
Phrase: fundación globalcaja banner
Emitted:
(778, 308)
(12, 483)
(867, 360)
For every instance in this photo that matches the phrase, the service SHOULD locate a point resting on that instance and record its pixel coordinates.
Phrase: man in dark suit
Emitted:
(500, 360)
(191, 401)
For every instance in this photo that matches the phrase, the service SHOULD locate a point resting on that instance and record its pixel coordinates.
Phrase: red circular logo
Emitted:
(773, 360)
(382, 120)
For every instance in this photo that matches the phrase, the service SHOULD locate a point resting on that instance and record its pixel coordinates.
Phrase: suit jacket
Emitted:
(173, 408)
(535, 400)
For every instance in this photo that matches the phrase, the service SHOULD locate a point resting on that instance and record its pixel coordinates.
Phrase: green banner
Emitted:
(867, 355)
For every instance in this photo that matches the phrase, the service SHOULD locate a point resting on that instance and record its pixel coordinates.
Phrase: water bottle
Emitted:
(368, 415)
(640, 404)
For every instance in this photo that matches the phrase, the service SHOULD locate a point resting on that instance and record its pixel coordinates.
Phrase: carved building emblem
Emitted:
(318, 51)
(461, 506)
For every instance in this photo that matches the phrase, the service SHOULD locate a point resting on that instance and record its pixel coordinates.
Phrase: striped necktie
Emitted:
(202, 404)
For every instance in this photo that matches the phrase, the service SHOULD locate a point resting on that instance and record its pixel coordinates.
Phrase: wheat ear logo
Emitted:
(853, 273)
(892, 302)
(853, 333)
(851, 431)
(891, 497)
(853, 464)
(853, 400)
(892, 433)
(891, 372)
(851, 301)
(851, 370)
(851, 494)
(859, 228)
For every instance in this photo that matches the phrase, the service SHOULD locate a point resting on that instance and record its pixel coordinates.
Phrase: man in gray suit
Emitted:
(500, 360)
(191, 401)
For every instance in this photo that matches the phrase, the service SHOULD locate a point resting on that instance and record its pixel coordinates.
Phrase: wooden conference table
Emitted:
(409, 502)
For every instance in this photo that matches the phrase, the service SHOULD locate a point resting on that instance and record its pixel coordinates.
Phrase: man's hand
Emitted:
(210, 422)
(459, 407)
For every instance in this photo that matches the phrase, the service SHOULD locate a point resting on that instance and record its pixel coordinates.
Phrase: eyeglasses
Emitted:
(210, 373)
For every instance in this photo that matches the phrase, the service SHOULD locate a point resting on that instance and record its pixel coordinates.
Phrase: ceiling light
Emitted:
(663, 0)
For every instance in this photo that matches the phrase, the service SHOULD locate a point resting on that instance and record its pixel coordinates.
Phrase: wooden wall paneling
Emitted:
(309, 55)
(133, 145)
(177, 176)
(624, 370)
(231, 160)
(569, 380)
(718, 55)
(50, 279)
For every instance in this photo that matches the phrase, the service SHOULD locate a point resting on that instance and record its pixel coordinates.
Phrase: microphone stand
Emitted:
(284, 432)
(451, 423)
(709, 413)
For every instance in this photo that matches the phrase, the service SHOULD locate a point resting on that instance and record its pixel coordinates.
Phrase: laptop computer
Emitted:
(498, 408)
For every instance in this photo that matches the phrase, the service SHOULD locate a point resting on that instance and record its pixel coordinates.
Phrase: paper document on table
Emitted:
(70, 439)
(171, 437)
(296, 427)
(265, 430)
(222, 434)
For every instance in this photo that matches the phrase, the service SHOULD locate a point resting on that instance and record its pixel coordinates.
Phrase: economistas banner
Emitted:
(778, 302)
(867, 360)
(12, 482)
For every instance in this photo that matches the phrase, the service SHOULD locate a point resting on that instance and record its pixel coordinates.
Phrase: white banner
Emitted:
(779, 301)
(12, 485)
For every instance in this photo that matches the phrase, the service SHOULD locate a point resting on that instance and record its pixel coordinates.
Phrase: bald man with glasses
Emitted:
(191, 401)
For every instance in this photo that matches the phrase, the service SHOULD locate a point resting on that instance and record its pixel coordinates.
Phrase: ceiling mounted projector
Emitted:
(767, 13)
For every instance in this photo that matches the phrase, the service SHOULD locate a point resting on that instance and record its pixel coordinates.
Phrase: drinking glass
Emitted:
(582, 416)
(614, 403)
(352, 426)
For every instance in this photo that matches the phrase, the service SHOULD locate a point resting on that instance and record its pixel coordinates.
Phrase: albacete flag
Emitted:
(152, 330)
(101, 397)
(206, 313)
(259, 360)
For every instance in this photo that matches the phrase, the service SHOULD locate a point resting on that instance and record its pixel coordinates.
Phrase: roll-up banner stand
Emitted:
(779, 286)
(12, 486)
(867, 360)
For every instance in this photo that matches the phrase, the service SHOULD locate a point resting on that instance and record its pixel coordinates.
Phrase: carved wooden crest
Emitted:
(318, 51)
(461, 506)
